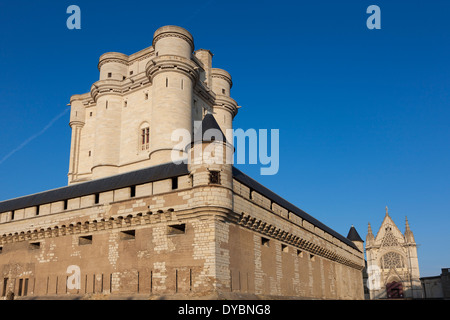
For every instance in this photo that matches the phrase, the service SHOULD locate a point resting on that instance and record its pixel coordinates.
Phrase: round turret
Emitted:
(173, 40)
(221, 82)
(77, 111)
(225, 108)
(113, 66)
(173, 75)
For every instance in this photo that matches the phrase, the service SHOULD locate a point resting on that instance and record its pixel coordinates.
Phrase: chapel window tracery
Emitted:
(389, 240)
(392, 260)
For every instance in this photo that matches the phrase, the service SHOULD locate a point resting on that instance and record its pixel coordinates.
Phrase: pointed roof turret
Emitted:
(210, 130)
(353, 235)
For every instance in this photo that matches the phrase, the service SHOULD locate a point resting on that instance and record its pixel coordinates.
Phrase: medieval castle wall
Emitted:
(185, 235)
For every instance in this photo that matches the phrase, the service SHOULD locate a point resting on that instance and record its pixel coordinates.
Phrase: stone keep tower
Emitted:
(392, 262)
(126, 121)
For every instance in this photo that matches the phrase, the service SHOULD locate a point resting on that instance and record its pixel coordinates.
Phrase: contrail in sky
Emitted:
(23, 144)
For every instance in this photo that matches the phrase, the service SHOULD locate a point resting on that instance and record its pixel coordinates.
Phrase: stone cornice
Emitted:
(106, 87)
(172, 63)
(221, 74)
(173, 31)
(85, 225)
(270, 230)
(76, 123)
(112, 60)
(118, 87)
(116, 57)
(227, 103)
(204, 92)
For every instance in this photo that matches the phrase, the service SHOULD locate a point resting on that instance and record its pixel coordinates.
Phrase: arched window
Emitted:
(144, 138)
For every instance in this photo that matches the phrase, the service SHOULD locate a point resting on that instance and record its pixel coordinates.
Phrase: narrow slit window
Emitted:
(133, 191)
(25, 287)
(146, 96)
(109, 74)
(19, 293)
(167, 82)
(97, 198)
(5, 286)
(37, 210)
(181, 84)
(174, 183)
(223, 91)
(12, 215)
(65, 204)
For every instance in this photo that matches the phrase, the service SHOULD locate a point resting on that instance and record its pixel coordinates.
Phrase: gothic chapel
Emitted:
(392, 262)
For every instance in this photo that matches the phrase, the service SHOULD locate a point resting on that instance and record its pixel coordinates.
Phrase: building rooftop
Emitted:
(151, 174)
(353, 235)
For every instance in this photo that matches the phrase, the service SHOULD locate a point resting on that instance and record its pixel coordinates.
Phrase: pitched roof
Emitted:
(210, 123)
(150, 174)
(251, 183)
(353, 235)
(123, 180)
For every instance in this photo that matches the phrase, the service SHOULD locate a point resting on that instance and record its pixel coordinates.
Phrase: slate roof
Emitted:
(150, 174)
(155, 173)
(209, 122)
(353, 235)
(256, 186)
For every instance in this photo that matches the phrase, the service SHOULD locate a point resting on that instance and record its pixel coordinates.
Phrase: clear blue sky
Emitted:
(363, 114)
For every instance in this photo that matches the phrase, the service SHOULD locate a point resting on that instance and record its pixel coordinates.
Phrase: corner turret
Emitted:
(355, 238)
